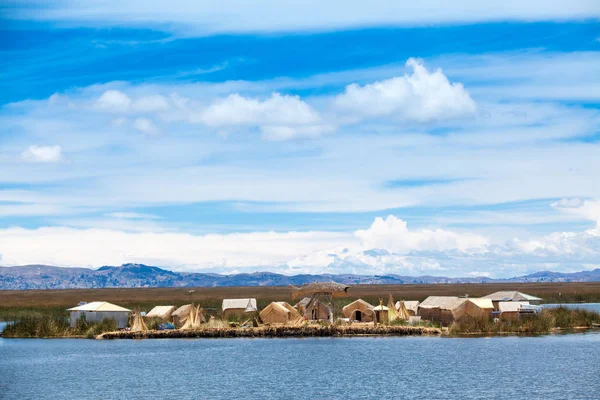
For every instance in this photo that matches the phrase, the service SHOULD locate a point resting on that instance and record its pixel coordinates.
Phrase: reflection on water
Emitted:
(547, 367)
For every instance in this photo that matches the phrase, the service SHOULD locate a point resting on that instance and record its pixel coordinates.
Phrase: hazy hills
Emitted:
(138, 275)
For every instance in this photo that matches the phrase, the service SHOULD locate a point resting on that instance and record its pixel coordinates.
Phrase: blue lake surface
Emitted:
(582, 306)
(545, 367)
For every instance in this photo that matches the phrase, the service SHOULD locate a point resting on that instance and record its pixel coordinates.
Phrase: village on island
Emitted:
(314, 308)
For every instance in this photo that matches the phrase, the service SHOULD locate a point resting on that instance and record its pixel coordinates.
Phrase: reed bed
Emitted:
(545, 322)
(276, 331)
(55, 325)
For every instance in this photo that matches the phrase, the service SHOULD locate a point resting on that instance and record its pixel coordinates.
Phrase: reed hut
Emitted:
(504, 296)
(442, 309)
(475, 308)
(279, 313)
(97, 311)
(359, 311)
(412, 306)
(313, 309)
(238, 307)
(195, 318)
(181, 315)
(447, 309)
(162, 312)
(381, 314)
(138, 324)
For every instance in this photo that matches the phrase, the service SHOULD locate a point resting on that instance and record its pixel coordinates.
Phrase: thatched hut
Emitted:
(313, 310)
(238, 307)
(162, 312)
(279, 313)
(181, 315)
(381, 314)
(359, 310)
(442, 309)
(447, 309)
(412, 306)
(477, 308)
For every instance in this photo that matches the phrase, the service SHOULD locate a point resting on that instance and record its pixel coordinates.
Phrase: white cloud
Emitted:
(275, 110)
(42, 154)
(279, 132)
(114, 101)
(212, 16)
(145, 126)
(397, 250)
(153, 103)
(392, 234)
(422, 96)
(131, 215)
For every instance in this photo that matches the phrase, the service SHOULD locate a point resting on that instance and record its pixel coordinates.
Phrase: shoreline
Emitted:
(276, 332)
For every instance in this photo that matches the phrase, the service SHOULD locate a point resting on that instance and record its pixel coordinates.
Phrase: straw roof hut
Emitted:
(138, 324)
(279, 313)
(441, 309)
(195, 318)
(359, 310)
(447, 309)
(313, 309)
(181, 315)
(412, 306)
(162, 312)
(381, 313)
(238, 307)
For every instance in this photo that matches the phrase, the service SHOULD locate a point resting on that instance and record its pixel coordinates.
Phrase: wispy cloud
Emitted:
(273, 16)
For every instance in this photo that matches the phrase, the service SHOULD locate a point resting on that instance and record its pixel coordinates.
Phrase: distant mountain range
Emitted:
(139, 275)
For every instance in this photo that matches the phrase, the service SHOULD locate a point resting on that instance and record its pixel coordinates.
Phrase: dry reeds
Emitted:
(277, 331)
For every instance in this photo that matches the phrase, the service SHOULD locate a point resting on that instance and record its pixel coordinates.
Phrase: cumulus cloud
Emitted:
(275, 110)
(42, 154)
(587, 209)
(392, 234)
(279, 117)
(114, 101)
(386, 247)
(421, 96)
(145, 126)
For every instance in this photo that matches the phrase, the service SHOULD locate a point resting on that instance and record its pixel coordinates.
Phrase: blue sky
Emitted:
(463, 140)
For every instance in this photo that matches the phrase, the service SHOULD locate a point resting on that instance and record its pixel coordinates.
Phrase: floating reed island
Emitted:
(321, 310)
(276, 332)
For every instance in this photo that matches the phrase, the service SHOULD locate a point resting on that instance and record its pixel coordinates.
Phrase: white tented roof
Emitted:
(380, 308)
(511, 306)
(481, 303)
(248, 305)
(511, 295)
(99, 306)
(442, 302)
(160, 311)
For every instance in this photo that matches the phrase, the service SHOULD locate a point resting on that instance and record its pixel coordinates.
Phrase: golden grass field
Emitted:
(211, 297)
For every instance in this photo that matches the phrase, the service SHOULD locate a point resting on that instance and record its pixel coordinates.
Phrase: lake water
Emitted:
(546, 367)
(583, 306)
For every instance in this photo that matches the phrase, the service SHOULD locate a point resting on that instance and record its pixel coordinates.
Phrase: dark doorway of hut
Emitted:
(358, 316)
